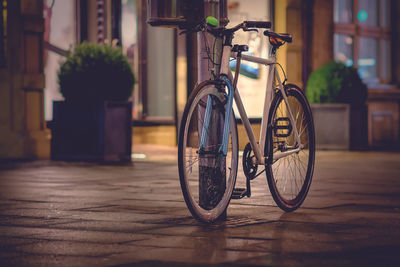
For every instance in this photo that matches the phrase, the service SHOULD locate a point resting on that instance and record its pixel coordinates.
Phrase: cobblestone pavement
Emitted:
(82, 214)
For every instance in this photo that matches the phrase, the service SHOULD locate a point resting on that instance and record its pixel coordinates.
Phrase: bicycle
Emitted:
(208, 138)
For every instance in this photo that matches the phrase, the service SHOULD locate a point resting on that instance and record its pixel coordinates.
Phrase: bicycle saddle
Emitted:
(278, 39)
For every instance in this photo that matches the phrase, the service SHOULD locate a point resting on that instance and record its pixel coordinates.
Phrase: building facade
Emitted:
(359, 33)
(22, 126)
(36, 34)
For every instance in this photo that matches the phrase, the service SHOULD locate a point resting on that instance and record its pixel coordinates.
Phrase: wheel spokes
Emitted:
(289, 172)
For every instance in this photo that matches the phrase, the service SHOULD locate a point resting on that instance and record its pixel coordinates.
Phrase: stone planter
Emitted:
(101, 132)
(339, 126)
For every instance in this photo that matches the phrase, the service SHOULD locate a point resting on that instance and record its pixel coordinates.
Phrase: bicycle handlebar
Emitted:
(258, 24)
(245, 25)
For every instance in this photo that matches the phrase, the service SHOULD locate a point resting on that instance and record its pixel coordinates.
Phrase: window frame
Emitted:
(356, 31)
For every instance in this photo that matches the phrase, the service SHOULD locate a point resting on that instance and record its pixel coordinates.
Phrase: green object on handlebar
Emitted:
(212, 21)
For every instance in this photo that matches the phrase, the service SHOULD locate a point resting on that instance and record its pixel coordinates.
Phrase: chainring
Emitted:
(249, 168)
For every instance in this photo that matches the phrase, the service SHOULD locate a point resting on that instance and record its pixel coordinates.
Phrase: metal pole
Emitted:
(211, 169)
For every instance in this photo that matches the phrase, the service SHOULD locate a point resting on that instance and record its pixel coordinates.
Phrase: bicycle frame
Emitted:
(259, 148)
(227, 76)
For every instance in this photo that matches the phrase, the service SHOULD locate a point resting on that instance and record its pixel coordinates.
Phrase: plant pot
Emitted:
(339, 126)
(98, 132)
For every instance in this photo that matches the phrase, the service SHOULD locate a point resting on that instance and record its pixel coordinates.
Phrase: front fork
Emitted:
(223, 150)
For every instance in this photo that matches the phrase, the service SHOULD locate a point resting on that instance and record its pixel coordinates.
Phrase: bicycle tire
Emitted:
(289, 178)
(191, 162)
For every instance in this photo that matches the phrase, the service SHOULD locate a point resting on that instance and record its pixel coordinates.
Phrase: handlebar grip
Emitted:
(258, 24)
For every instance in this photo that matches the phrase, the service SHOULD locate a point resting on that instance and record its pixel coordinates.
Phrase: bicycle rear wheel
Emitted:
(207, 177)
(289, 178)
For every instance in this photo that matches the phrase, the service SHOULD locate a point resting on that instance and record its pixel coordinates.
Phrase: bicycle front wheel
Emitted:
(290, 165)
(207, 177)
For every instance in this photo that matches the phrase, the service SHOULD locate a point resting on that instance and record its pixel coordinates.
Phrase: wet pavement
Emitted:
(83, 214)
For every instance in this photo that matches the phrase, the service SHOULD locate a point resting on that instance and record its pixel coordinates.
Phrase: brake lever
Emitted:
(250, 30)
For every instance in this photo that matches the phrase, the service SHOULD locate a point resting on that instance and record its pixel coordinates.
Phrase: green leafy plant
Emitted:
(93, 73)
(336, 83)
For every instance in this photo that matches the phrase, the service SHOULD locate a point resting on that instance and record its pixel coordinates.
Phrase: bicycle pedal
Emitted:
(239, 193)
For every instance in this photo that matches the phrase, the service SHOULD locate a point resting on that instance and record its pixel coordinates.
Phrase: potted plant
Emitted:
(337, 96)
(94, 121)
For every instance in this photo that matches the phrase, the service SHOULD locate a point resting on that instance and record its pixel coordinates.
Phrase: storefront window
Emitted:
(129, 43)
(367, 13)
(129, 29)
(343, 45)
(3, 32)
(343, 11)
(384, 16)
(60, 36)
(368, 58)
(384, 56)
(160, 74)
(154, 91)
(364, 41)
